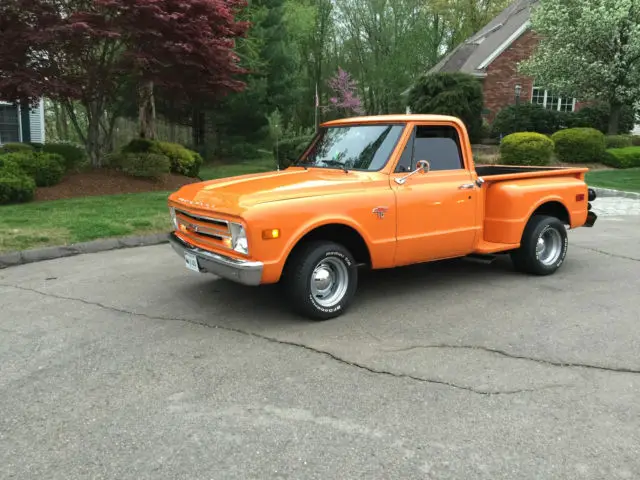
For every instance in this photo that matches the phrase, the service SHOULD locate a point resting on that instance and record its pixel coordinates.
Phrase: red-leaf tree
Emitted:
(90, 50)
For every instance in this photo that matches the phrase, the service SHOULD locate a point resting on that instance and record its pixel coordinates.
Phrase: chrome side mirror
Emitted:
(421, 167)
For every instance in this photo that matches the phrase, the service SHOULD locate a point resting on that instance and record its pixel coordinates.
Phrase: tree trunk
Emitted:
(147, 111)
(64, 126)
(614, 119)
(93, 135)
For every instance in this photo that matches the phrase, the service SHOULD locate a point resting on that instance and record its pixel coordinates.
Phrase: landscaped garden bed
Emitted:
(108, 182)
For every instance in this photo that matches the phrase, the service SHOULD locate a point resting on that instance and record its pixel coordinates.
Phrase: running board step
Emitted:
(479, 258)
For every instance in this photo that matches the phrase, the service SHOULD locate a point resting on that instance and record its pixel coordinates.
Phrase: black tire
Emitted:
(300, 269)
(550, 230)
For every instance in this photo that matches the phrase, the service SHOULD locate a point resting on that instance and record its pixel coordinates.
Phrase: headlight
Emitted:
(239, 239)
(174, 219)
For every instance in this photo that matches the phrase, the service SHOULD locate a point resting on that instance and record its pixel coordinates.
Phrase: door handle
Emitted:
(467, 186)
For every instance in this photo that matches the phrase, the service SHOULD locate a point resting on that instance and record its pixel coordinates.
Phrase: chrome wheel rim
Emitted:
(329, 282)
(549, 247)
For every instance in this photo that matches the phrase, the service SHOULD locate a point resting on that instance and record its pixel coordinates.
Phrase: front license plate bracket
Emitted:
(191, 262)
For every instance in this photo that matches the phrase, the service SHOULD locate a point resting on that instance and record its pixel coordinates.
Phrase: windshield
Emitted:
(354, 147)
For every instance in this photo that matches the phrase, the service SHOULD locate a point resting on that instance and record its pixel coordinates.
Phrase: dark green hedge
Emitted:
(527, 117)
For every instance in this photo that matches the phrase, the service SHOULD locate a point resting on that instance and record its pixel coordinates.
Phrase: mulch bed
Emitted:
(108, 182)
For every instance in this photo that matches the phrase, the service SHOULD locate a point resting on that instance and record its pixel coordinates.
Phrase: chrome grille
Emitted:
(214, 230)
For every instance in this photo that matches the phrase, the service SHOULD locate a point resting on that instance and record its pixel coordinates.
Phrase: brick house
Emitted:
(493, 55)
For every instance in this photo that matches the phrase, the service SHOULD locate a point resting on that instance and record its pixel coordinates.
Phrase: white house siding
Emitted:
(36, 122)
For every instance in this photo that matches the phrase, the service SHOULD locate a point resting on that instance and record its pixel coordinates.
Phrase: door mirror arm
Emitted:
(422, 167)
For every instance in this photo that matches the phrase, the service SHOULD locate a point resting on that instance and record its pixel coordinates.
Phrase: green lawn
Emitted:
(62, 222)
(626, 179)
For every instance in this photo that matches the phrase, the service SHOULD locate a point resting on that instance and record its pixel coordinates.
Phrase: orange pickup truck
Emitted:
(381, 192)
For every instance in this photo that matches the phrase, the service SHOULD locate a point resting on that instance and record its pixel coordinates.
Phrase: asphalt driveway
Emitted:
(125, 365)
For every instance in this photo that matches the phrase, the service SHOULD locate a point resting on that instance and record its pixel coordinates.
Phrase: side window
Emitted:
(440, 146)
(406, 160)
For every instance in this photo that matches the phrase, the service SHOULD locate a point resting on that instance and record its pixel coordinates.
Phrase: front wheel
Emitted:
(321, 280)
(543, 248)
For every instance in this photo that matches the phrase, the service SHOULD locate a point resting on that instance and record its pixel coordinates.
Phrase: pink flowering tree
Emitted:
(345, 99)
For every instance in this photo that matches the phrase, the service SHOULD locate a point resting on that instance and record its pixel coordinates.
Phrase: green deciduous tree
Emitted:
(456, 94)
(589, 49)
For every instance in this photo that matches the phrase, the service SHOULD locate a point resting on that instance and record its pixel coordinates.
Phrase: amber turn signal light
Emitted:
(271, 234)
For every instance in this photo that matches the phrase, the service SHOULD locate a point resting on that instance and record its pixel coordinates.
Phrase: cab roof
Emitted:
(397, 118)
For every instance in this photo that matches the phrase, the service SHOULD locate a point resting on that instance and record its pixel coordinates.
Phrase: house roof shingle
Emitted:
(470, 54)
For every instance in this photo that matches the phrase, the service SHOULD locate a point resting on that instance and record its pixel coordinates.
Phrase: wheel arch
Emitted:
(335, 231)
(553, 208)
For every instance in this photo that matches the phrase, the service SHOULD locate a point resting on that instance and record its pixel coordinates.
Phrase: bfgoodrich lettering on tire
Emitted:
(543, 247)
(321, 279)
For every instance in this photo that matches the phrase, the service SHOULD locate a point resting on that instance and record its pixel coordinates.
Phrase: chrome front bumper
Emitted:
(240, 271)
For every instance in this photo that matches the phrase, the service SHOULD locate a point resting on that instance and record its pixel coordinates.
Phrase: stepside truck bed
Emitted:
(507, 172)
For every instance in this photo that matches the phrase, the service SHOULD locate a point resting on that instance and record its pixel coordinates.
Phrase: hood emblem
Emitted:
(194, 204)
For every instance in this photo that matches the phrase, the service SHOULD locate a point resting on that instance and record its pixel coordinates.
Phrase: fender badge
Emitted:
(380, 211)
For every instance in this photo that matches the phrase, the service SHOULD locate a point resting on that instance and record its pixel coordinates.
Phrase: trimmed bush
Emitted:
(290, 149)
(145, 165)
(16, 147)
(635, 140)
(622, 157)
(45, 168)
(526, 148)
(579, 145)
(15, 187)
(183, 161)
(618, 141)
(139, 145)
(456, 94)
(37, 146)
(8, 163)
(74, 156)
(527, 117)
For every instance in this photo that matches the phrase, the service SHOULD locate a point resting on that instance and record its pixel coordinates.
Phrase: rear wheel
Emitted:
(543, 247)
(321, 280)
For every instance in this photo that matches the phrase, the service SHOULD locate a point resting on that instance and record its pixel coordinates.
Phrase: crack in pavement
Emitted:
(513, 356)
(289, 343)
(602, 252)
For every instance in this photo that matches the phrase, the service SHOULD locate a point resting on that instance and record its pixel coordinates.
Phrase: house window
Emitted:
(548, 100)
(9, 124)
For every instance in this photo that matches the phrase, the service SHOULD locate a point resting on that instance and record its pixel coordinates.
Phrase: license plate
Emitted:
(192, 262)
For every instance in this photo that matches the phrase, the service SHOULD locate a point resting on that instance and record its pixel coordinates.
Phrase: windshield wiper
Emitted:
(335, 163)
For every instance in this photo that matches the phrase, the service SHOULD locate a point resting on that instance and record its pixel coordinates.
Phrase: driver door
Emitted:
(437, 214)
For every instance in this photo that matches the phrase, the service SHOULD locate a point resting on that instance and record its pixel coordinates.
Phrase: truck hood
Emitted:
(236, 194)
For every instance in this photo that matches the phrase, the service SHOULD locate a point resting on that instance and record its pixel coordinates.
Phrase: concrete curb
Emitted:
(12, 259)
(608, 192)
